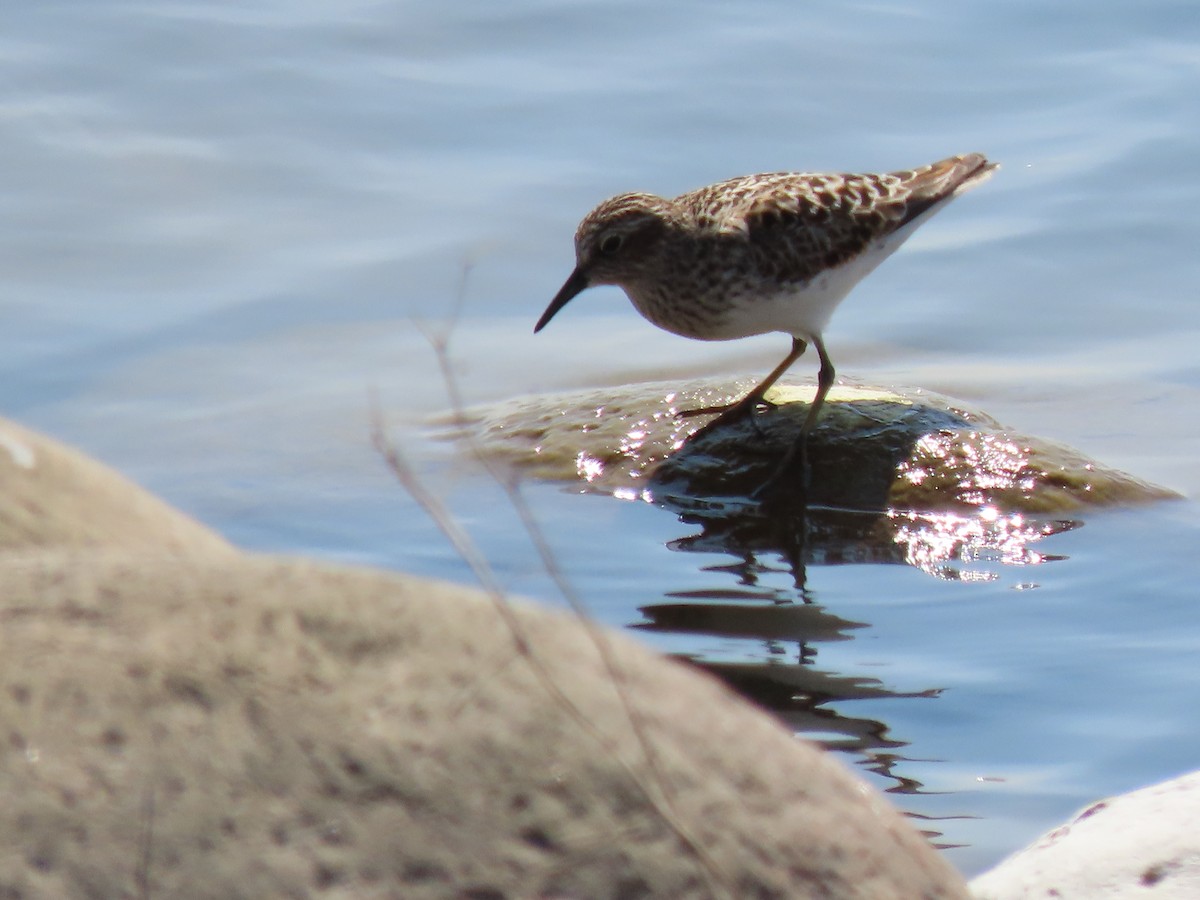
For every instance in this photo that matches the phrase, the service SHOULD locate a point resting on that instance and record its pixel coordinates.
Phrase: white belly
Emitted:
(804, 310)
(801, 310)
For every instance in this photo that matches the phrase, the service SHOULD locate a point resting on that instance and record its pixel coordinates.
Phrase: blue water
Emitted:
(226, 227)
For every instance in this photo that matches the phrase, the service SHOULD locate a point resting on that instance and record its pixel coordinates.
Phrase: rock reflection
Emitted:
(789, 628)
(787, 683)
(959, 545)
(953, 546)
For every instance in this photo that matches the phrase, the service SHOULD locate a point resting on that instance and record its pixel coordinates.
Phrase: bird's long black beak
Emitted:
(575, 285)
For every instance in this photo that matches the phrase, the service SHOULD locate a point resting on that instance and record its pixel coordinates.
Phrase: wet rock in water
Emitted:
(872, 449)
(906, 478)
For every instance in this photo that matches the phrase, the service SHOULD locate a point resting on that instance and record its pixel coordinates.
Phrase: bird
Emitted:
(773, 252)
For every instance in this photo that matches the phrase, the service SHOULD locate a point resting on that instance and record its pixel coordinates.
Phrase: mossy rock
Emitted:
(873, 449)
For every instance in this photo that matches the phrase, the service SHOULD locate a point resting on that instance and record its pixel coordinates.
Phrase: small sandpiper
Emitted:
(757, 254)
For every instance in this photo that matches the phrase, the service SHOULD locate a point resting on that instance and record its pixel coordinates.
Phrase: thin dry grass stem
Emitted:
(657, 793)
(462, 543)
(470, 553)
(508, 481)
(142, 873)
(596, 633)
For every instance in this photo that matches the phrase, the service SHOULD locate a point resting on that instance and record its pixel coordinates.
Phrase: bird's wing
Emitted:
(800, 224)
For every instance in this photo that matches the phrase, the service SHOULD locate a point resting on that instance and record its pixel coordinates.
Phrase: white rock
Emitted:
(1142, 844)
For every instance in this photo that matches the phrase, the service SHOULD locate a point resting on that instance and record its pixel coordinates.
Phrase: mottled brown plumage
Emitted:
(760, 253)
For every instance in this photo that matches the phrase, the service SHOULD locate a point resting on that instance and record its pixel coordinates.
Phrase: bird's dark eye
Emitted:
(610, 243)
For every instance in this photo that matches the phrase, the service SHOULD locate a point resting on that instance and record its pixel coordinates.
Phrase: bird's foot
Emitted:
(728, 412)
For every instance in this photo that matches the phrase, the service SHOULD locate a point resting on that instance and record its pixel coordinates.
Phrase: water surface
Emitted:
(225, 226)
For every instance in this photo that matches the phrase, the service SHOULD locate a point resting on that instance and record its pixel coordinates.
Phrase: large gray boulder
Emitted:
(184, 720)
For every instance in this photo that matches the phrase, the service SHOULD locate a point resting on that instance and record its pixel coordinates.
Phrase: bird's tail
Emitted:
(940, 181)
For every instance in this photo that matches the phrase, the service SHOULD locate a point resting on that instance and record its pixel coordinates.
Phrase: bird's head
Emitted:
(619, 242)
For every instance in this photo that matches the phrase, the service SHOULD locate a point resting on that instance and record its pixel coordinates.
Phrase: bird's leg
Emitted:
(800, 447)
(731, 412)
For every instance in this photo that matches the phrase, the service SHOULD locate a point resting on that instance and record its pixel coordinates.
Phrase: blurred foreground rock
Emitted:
(184, 720)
